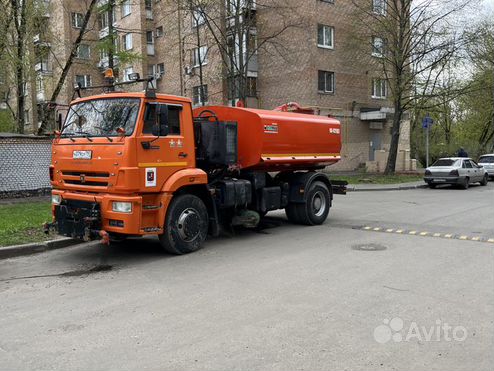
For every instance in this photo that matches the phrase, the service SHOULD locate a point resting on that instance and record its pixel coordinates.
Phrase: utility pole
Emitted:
(111, 54)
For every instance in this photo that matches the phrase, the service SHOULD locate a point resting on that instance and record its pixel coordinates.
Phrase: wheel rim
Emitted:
(318, 203)
(189, 225)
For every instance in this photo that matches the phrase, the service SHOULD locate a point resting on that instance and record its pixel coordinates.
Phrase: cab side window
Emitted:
(173, 118)
(468, 164)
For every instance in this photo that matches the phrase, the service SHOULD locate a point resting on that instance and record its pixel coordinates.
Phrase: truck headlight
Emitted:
(56, 199)
(122, 207)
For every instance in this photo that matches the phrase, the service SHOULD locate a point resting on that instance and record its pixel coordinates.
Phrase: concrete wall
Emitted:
(24, 163)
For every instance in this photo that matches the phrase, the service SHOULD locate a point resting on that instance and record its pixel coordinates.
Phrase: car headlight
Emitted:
(56, 199)
(122, 207)
(428, 172)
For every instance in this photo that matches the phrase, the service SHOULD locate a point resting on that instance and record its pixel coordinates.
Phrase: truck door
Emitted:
(161, 156)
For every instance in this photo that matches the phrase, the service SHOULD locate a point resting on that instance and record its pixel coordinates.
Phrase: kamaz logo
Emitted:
(83, 178)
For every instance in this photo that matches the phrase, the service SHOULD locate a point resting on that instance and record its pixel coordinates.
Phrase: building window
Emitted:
(378, 47)
(84, 81)
(325, 82)
(160, 69)
(83, 51)
(159, 31)
(198, 17)
(77, 20)
(126, 8)
(328, 1)
(127, 41)
(325, 36)
(150, 42)
(379, 6)
(379, 88)
(199, 56)
(149, 9)
(200, 95)
(127, 71)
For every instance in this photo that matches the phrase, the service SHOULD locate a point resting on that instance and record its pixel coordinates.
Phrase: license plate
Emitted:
(82, 155)
(439, 180)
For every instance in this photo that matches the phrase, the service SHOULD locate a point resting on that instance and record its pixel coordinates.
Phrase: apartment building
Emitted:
(289, 51)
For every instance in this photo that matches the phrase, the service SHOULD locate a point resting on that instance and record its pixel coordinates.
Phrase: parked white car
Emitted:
(455, 170)
(487, 161)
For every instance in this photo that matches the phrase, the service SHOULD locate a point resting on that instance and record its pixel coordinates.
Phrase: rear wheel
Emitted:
(186, 225)
(432, 185)
(485, 180)
(466, 183)
(315, 209)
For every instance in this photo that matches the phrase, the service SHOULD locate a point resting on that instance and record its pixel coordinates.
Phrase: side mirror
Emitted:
(160, 127)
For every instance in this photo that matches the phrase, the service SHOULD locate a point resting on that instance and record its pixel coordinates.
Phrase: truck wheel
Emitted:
(186, 225)
(316, 207)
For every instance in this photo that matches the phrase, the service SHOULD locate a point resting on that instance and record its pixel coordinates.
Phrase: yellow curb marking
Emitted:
(389, 230)
(412, 232)
(437, 234)
(448, 235)
(475, 238)
(424, 233)
(491, 240)
(367, 228)
(399, 231)
(463, 237)
(377, 229)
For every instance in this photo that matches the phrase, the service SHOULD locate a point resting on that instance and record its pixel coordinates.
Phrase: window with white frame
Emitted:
(126, 72)
(200, 95)
(378, 47)
(200, 56)
(84, 81)
(127, 41)
(198, 17)
(150, 42)
(126, 8)
(77, 20)
(325, 82)
(83, 51)
(159, 31)
(325, 36)
(160, 69)
(149, 9)
(379, 88)
(379, 6)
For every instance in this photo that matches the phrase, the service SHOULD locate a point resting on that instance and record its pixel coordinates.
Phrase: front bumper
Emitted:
(82, 215)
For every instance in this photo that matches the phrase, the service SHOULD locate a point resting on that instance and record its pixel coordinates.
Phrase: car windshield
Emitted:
(486, 160)
(102, 117)
(445, 162)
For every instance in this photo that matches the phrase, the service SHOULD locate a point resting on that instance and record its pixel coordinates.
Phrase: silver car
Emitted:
(455, 170)
(487, 161)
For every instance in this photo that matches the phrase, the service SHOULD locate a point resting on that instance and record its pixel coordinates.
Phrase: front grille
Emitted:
(87, 179)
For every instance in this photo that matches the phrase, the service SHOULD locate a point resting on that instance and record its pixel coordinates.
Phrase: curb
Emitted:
(37, 247)
(391, 188)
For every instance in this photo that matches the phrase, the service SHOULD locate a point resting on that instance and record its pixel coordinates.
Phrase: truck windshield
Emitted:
(102, 117)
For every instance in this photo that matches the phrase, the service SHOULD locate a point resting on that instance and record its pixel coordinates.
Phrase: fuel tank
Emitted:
(275, 141)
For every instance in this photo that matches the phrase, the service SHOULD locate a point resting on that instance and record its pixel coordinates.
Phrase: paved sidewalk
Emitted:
(385, 187)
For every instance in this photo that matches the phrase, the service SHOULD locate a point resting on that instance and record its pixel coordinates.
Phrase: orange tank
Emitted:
(274, 141)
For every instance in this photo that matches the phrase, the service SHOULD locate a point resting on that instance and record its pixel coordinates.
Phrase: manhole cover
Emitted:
(369, 247)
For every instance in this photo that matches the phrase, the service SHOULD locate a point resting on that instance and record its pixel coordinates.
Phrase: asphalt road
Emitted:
(283, 298)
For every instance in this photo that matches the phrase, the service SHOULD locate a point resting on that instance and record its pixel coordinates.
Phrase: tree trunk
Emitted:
(395, 139)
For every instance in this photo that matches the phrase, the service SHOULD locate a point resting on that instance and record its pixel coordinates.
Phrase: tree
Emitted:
(418, 41)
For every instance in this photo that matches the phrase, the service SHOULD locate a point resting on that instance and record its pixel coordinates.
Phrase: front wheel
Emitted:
(485, 180)
(186, 225)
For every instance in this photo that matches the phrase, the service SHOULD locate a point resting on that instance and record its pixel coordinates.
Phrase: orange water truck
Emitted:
(136, 164)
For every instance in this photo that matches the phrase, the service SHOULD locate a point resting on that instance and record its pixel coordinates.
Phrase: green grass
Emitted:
(22, 222)
(377, 178)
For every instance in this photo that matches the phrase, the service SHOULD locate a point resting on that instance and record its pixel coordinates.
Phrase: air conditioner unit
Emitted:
(189, 71)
